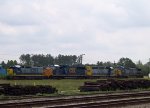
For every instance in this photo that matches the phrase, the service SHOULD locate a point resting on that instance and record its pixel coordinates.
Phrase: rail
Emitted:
(103, 100)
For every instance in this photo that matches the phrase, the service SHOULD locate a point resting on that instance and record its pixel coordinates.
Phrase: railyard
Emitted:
(74, 54)
(64, 86)
(99, 100)
(69, 95)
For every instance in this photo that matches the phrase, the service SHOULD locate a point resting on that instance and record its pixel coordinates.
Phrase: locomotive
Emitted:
(75, 71)
(3, 72)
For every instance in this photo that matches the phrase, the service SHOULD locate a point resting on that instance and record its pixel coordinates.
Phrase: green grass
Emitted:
(64, 86)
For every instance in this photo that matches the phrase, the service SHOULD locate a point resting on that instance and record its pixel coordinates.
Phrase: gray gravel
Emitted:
(137, 106)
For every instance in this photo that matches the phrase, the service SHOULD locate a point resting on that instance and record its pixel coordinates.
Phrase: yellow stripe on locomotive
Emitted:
(10, 72)
(89, 71)
(117, 72)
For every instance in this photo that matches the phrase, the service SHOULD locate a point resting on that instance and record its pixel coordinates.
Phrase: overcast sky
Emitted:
(103, 30)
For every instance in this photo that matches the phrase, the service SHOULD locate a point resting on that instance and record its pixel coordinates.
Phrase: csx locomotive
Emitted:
(77, 71)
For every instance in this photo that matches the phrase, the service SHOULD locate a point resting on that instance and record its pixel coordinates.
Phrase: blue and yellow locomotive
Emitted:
(75, 71)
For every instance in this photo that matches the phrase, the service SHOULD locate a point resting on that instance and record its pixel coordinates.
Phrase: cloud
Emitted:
(102, 29)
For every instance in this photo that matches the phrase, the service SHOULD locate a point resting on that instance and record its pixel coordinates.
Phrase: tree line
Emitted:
(48, 60)
(41, 60)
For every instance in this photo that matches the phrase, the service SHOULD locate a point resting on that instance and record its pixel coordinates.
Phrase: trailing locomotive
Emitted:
(128, 72)
(79, 71)
(76, 71)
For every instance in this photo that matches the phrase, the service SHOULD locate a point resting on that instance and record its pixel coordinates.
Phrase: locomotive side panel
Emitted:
(3, 72)
(48, 72)
(80, 70)
(89, 71)
(31, 71)
(72, 71)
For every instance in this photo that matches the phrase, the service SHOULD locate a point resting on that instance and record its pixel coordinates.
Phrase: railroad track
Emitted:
(104, 104)
(103, 100)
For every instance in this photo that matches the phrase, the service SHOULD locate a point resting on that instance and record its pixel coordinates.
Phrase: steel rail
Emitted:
(71, 99)
(104, 104)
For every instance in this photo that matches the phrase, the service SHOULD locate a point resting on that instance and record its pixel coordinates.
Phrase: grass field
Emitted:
(64, 86)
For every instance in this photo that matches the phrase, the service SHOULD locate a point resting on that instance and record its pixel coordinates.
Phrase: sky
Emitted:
(103, 30)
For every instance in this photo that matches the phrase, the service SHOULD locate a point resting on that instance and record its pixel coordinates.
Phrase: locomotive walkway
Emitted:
(101, 100)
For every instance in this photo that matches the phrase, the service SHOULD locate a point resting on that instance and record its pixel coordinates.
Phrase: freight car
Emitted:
(77, 71)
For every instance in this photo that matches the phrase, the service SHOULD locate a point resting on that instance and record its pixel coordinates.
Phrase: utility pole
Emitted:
(81, 57)
(114, 64)
(149, 65)
(149, 68)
